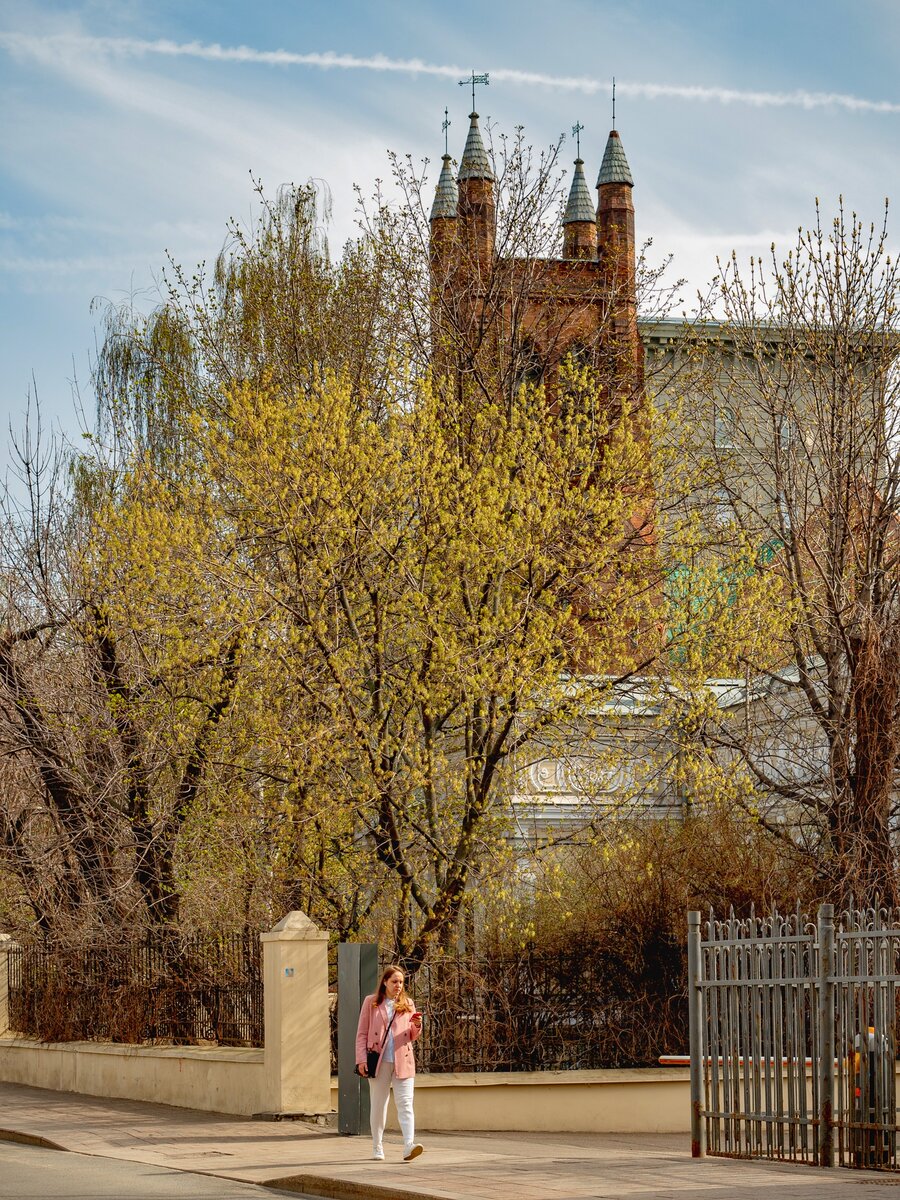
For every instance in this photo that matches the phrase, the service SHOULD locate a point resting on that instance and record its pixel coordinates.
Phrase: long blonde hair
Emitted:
(403, 1002)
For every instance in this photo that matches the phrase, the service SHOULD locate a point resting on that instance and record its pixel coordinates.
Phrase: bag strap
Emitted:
(388, 1030)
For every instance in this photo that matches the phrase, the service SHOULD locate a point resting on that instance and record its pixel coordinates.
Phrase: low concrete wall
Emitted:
(215, 1079)
(233, 1081)
(648, 1100)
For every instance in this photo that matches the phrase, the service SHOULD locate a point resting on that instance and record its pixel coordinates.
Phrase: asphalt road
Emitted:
(35, 1173)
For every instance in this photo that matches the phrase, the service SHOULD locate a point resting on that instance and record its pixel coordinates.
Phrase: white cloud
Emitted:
(724, 243)
(122, 263)
(167, 144)
(64, 223)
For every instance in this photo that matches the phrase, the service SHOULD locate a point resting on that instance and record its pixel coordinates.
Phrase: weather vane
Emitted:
(485, 79)
(445, 126)
(614, 101)
(576, 131)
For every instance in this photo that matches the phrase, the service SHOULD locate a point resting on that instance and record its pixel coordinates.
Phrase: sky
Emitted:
(134, 129)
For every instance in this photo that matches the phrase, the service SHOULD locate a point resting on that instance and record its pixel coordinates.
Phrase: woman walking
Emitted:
(388, 1026)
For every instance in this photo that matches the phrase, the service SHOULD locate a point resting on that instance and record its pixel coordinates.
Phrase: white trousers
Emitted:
(379, 1093)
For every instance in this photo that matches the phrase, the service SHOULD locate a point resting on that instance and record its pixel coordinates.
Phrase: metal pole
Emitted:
(357, 978)
(695, 1023)
(825, 984)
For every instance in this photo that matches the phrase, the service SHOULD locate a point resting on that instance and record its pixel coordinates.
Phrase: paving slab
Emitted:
(310, 1160)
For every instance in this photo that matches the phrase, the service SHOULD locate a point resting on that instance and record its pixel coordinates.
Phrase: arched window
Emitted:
(723, 507)
(787, 432)
(724, 428)
(578, 354)
(530, 366)
(579, 391)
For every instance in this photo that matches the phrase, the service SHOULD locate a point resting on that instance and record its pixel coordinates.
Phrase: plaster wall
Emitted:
(233, 1081)
(213, 1080)
(646, 1100)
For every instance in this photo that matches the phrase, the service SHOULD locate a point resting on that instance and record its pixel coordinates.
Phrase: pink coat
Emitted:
(373, 1022)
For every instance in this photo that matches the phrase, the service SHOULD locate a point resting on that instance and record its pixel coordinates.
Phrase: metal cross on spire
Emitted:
(576, 133)
(614, 101)
(485, 79)
(445, 126)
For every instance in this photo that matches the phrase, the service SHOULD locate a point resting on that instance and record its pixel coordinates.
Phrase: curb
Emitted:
(319, 1187)
(344, 1189)
(29, 1139)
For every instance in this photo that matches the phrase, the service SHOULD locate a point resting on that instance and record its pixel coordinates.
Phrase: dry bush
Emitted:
(620, 901)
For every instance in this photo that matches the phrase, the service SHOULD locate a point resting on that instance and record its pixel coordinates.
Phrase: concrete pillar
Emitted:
(297, 1031)
(6, 945)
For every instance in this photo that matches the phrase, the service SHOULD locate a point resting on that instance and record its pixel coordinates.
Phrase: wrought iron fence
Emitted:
(160, 988)
(793, 1037)
(532, 1011)
(538, 1011)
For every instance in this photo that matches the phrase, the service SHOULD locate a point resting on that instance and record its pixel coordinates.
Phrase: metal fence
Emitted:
(514, 1012)
(793, 1037)
(543, 1011)
(160, 988)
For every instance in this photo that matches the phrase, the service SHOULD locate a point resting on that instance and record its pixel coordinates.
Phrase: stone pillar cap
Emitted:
(294, 926)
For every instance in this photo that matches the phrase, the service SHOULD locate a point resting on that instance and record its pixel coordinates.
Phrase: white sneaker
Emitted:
(412, 1152)
(378, 1154)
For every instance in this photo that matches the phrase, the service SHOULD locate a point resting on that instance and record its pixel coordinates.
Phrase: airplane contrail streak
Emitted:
(61, 45)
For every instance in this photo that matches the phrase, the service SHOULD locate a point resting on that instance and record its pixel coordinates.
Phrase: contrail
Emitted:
(62, 44)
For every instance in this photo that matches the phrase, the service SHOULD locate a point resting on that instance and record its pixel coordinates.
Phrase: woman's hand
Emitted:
(416, 1021)
(361, 1069)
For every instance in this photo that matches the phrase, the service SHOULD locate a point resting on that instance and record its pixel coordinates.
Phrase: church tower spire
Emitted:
(443, 245)
(446, 194)
(475, 163)
(443, 223)
(615, 241)
(477, 210)
(579, 220)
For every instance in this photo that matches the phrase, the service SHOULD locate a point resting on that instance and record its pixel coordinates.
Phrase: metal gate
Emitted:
(793, 1037)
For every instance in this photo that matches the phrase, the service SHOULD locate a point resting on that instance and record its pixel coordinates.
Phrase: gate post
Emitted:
(695, 1025)
(7, 947)
(297, 1031)
(357, 978)
(825, 986)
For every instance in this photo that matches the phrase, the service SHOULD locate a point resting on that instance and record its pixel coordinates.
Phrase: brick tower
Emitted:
(616, 252)
(535, 310)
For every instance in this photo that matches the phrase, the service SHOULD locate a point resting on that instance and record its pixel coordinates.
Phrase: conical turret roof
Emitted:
(446, 193)
(580, 206)
(614, 168)
(475, 163)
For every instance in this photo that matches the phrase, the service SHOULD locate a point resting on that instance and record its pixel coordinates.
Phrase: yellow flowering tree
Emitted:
(427, 581)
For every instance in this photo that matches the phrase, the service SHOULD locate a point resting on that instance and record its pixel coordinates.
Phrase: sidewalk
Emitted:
(319, 1162)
